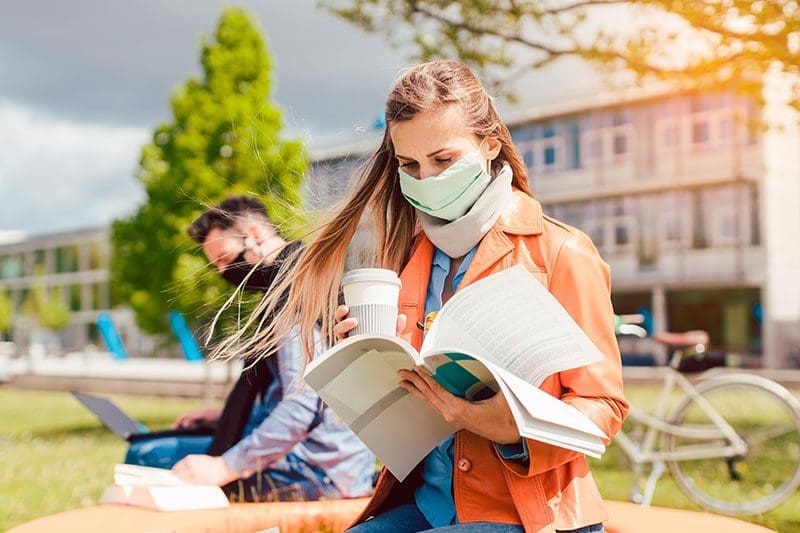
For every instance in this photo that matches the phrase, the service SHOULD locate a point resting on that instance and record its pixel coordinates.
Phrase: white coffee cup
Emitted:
(372, 294)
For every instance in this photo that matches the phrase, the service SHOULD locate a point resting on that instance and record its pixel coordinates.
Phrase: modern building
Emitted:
(692, 203)
(73, 266)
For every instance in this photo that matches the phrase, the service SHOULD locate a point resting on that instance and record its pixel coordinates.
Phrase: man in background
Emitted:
(274, 438)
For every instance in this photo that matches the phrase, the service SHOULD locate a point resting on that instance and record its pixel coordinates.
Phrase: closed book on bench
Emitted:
(161, 490)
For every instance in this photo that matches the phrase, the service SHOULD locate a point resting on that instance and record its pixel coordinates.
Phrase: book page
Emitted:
(365, 383)
(547, 419)
(358, 379)
(125, 474)
(546, 408)
(512, 320)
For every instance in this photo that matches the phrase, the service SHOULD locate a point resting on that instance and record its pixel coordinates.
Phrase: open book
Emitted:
(505, 332)
(160, 489)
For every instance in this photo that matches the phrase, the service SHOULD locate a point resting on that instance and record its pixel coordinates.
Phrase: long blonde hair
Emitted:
(313, 283)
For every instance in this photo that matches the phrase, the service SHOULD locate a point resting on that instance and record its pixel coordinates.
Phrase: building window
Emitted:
(711, 122)
(596, 230)
(67, 259)
(699, 238)
(619, 117)
(575, 144)
(620, 144)
(621, 134)
(622, 224)
(526, 150)
(527, 158)
(549, 155)
(726, 128)
(608, 136)
(700, 133)
(621, 236)
(38, 258)
(729, 216)
(98, 256)
(755, 225)
(725, 226)
(549, 149)
(592, 141)
(667, 115)
(674, 213)
(611, 225)
(571, 214)
(75, 297)
(11, 267)
(670, 135)
(672, 230)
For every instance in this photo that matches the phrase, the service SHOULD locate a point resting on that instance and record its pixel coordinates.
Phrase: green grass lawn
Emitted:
(54, 456)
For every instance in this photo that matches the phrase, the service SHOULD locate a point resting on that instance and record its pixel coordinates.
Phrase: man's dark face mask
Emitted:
(263, 275)
(260, 279)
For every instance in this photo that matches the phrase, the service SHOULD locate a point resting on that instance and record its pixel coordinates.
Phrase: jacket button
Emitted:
(464, 465)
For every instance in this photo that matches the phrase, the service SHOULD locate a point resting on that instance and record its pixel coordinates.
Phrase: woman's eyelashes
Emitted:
(439, 161)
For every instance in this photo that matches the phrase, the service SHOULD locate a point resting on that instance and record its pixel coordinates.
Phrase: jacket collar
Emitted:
(523, 216)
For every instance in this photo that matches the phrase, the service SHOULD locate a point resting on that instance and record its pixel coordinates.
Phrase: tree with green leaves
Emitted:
(46, 307)
(690, 43)
(6, 312)
(224, 139)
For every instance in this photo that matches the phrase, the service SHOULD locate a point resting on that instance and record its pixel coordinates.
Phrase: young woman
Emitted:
(451, 204)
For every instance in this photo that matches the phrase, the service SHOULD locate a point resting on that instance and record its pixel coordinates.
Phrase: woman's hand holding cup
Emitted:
(344, 325)
(370, 296)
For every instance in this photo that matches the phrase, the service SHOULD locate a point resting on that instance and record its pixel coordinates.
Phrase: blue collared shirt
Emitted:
(434, 497)
(279, 424)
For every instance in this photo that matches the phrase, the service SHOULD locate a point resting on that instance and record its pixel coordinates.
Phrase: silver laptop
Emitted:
(111, 416)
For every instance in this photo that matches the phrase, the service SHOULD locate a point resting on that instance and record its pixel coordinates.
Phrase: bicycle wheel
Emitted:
(767, 418)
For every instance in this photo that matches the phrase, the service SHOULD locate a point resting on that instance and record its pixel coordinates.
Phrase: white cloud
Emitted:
(56, 174)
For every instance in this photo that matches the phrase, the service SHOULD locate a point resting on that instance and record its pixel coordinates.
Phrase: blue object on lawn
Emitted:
(647, 314)
(191, 351)
(107, 329)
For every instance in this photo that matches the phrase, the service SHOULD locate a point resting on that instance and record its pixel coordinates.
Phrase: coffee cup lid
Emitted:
(371, 274)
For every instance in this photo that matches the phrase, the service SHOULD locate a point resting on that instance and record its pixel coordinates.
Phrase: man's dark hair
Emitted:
(226, 215)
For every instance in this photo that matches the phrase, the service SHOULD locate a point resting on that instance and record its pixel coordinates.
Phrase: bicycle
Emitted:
(732, 442)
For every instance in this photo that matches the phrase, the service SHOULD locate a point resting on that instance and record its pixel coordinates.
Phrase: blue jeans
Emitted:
(287, 479)
(408, 519)
(164, 452)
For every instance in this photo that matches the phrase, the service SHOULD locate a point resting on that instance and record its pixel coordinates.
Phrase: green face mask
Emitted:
(450, 194)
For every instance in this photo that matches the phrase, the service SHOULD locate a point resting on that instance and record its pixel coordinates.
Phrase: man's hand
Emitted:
(491, 419)
(203, 414)
(204, 470)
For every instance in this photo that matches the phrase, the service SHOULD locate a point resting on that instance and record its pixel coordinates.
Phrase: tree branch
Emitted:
(576, 5)
(477, 30)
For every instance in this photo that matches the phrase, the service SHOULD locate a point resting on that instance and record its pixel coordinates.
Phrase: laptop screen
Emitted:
(112, 416)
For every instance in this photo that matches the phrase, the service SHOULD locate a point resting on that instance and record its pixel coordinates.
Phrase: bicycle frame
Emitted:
(648, 452)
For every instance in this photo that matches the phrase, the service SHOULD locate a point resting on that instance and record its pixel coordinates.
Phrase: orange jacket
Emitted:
(555, 490)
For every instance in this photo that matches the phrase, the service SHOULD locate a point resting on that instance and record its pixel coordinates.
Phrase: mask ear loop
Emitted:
(488, 161)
